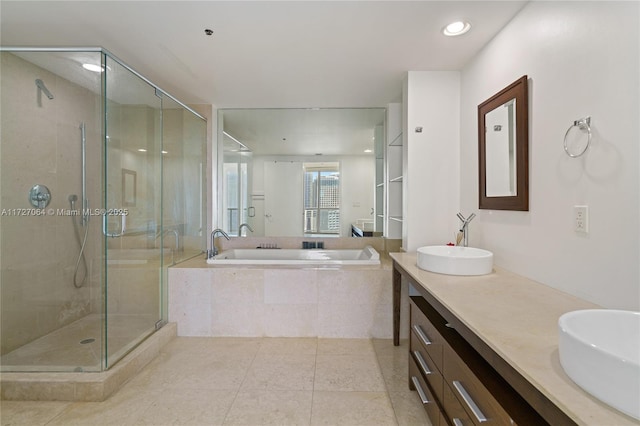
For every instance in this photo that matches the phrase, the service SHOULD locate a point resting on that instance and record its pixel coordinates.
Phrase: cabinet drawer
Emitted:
(426, 334)
(481, 406)
(453, 410)
(430, 370)
(417, 383)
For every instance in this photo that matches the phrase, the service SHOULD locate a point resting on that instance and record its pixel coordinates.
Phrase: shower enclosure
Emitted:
(101, 189)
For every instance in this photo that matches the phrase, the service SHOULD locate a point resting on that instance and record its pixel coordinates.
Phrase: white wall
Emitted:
(582, 59)
(431, 100)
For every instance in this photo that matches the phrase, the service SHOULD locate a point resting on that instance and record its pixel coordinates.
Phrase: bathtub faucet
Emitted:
(464, 227)
(175, 233)
(244, 225)
(213, 251)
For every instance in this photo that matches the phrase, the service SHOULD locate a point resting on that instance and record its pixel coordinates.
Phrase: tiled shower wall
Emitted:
(41, 144)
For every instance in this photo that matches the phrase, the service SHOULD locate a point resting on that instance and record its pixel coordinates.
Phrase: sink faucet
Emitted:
(464, 228)
(244, 225)
(213, 251)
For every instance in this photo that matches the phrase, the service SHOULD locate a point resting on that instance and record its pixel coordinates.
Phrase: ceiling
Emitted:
(302, 131)
(266, 54)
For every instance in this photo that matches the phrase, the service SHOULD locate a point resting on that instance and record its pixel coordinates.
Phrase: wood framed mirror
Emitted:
(503, 149)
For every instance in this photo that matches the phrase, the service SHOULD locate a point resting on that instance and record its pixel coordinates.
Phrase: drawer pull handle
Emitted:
(422, 363)
(469, 401)
(423, 396)
(421, 334)
(457, 422)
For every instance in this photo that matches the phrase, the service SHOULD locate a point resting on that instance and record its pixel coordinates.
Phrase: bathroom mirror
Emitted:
(297, 172)
(503, 149)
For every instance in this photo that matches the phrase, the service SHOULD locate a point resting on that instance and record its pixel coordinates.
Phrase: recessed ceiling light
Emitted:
(165, 152)
(92, 67)
(368, 151)
(456, 28)
(142, 150)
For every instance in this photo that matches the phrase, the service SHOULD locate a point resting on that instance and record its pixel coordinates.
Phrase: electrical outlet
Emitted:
(581, 219)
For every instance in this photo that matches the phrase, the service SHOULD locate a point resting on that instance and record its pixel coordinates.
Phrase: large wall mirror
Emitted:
(298, 172)
(503, 149)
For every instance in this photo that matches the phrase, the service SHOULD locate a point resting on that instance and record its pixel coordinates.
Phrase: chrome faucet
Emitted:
(244, 225)
(465, 227)
(213, 251)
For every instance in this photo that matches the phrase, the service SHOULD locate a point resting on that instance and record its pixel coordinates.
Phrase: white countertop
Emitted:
(518, 318)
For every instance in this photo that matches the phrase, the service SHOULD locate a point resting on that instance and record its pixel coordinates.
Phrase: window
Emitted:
(321, 198)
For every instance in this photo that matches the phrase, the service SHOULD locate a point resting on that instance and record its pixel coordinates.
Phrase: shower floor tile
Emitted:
(77, 346)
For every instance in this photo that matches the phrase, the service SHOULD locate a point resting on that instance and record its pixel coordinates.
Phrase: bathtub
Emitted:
(365, 256)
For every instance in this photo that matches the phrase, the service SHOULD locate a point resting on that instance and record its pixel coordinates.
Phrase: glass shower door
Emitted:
(133, 210)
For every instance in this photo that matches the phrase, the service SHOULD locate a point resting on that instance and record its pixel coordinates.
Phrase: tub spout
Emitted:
(213, 251)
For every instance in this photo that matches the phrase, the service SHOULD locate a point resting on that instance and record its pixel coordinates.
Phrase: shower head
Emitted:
(72, 200)
(41, 86)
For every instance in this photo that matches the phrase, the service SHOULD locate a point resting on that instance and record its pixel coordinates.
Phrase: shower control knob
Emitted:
(39, 196)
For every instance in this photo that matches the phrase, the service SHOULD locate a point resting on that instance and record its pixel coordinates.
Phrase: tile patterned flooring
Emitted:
(250, 381)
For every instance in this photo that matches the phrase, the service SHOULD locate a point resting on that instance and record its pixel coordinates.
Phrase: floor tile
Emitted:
(188, 407)
(250, 381)
(348, 373)
(260, 407)
(30, 412)
(281, 372)
(288, 346)
(345, 347)
(352, 408)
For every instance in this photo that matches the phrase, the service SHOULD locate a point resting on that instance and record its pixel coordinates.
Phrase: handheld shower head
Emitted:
(72, 200)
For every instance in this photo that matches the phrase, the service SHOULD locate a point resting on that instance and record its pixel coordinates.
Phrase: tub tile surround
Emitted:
(237, 381)
(517, 319)
(343, 302)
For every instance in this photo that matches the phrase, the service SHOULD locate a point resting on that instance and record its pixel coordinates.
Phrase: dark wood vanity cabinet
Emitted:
(456, 385)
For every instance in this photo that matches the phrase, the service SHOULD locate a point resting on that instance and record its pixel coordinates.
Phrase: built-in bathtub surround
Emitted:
(279, 301)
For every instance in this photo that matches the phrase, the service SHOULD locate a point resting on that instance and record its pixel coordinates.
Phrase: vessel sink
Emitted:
(455, 260)
(600, 351)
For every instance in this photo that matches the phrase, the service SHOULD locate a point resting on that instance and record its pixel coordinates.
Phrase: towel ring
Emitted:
(582, 124)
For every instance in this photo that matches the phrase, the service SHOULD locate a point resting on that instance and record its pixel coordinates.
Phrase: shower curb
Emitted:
(87, 387)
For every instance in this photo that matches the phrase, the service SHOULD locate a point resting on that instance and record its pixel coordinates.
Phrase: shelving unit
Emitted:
(393, 172)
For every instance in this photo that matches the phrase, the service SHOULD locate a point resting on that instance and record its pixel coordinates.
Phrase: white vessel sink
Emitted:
(455, 260)
(600, 351)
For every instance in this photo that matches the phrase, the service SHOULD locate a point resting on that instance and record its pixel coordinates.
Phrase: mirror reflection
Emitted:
(503, 149)
(298, 172)
(500, 128)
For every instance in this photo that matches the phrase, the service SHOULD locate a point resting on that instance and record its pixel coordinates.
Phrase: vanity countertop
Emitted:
(517, 318)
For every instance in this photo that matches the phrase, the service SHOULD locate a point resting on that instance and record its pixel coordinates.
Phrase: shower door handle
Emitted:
(105, 226)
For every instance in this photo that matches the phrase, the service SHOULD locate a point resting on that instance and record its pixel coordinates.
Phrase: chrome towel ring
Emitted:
(582, 125)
